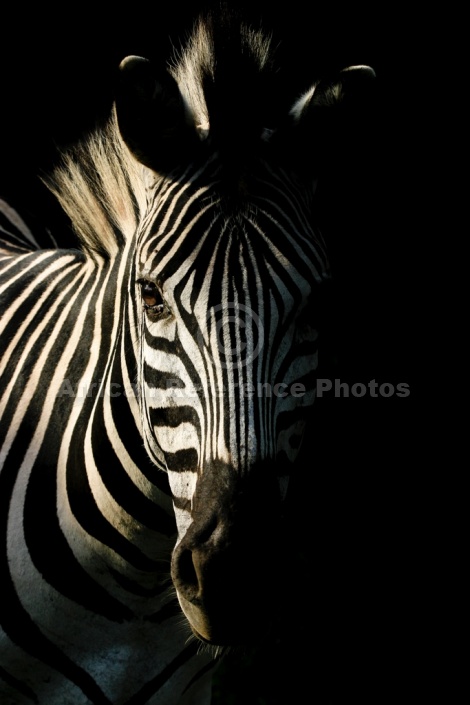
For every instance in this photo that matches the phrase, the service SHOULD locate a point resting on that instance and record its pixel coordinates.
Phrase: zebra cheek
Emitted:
(183, 487)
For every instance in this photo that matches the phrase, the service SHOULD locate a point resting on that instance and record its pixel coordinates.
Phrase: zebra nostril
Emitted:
(192, 560)
(186, 571)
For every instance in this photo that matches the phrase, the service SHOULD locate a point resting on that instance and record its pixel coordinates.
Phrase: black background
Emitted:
(355, 624)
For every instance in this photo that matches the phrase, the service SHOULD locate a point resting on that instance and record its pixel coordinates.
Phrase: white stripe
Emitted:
(35, 381)
(35, 259)
(181, 437)
(152, 543)
(135, 475)
(144, 255)
(177, 244)
(48, 314)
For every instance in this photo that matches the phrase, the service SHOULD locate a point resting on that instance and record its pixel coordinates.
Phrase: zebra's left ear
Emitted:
(322, 116)
(152, 116)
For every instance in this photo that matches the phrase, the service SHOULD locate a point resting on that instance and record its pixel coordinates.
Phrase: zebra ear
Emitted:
(324, 118)
(152, 116)
(351, 84)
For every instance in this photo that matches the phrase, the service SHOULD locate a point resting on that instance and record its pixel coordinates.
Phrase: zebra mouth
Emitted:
(199, 622)
(202, 638)
(228, 627)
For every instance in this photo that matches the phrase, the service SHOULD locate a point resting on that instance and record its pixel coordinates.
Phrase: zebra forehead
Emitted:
(228, 249)
(273, 212)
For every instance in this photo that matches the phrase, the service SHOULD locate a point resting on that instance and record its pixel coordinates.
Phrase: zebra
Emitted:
(156, 380)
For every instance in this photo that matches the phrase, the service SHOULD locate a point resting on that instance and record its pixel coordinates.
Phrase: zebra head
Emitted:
(227, 273)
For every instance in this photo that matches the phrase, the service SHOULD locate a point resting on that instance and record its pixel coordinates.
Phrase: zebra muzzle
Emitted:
(222, 568)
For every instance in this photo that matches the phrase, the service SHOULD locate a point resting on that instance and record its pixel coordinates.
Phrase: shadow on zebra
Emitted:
(157, 379)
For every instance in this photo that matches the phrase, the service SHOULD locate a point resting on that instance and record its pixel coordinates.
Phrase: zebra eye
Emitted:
(150, 294)
(151, 298)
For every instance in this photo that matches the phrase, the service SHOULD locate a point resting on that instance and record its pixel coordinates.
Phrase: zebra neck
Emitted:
(55, 435)
(108, 492)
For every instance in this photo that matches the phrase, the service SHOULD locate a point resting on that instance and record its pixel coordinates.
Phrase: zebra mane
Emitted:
(101, 188)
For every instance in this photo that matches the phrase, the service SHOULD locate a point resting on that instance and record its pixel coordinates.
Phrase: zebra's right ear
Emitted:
(152, 116)
(322, 121)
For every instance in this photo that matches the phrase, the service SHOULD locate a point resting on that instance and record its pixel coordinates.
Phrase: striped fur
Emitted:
(154, 389)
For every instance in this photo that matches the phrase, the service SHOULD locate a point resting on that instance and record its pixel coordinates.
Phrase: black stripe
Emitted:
(168, 611)
(154, 685)
(254, 303)
(234, 368)
(174, 416)
(192, 237)
(286, 419)
(137, 589)
(118, 482)
(6, 248)
(47, 545)
(183, 502)
(18, 685)
(18, 624)
(304, 349)
(182, 460)
(86, 511)
(208, 667)
(299, 257)
(156, 379)
(129, 433)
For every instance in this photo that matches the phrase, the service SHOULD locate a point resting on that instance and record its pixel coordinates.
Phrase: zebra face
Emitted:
(227, 373)
(228, 271)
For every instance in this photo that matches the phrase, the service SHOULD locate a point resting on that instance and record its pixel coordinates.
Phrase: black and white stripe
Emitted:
(155, 386)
